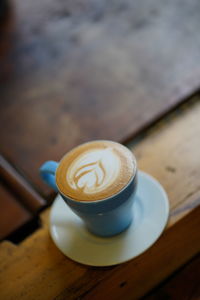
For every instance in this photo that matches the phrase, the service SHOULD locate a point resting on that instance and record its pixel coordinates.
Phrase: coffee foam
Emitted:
(95, 170)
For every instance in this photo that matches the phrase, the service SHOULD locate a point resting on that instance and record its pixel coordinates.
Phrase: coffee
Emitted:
(95, 171)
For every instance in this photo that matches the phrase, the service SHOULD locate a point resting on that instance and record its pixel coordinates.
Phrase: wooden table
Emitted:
(170, 152)
(86, 76)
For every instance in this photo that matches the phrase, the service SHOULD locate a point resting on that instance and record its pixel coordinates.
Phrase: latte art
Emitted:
(88, 176)
(95, 171)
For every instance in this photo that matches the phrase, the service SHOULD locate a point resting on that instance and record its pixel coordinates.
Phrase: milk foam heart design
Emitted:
(93, 171)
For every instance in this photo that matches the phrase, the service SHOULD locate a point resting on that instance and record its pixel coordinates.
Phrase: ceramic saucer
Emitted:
(150, 216)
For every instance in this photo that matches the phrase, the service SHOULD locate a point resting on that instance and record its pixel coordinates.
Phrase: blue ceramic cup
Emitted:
(105, 217)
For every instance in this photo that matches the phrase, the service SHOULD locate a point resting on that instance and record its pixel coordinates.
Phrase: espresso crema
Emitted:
(95, 170)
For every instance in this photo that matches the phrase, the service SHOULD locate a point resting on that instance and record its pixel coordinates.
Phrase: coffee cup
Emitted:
(98, 181)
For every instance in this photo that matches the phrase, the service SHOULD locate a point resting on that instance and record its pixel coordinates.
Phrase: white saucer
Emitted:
(150, 216)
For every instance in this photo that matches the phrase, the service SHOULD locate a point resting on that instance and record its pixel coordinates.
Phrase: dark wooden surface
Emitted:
(72, 71)
(19, 204)
(13, 214)
(183, 285)
(20, 187)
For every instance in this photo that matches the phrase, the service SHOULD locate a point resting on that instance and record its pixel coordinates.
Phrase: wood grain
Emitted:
(12, 213)
(38, 269)
(132, 280)
(184, 284)
(20, 187)
(6, 250)
(169, 152)
(80, 70)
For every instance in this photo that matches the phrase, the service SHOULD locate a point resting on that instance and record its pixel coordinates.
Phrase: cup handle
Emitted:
(47, 172)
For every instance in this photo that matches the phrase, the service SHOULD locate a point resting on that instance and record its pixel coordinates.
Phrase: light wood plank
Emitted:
(170, 153)
(6, 249)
